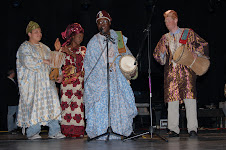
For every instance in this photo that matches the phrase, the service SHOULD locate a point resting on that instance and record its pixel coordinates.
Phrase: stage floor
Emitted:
(214, 139)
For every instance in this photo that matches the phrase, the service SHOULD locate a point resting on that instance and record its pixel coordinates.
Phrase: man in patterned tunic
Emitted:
(39, 102)
(122, 102)
(179, 80)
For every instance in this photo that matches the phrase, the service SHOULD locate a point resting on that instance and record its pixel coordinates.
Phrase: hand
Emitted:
(57, 44)
(163, 50)
(46, 61)
(59, 79)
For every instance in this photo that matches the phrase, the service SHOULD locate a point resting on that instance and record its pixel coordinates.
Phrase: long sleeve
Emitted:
(198, 45)
(158, 55)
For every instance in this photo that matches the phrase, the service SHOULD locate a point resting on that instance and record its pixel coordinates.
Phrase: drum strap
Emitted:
(114, 60)
(121, 46)
(184, 36)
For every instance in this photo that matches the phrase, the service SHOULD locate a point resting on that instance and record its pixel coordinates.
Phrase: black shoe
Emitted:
(13, 132)
(193, 134)
(173, 134)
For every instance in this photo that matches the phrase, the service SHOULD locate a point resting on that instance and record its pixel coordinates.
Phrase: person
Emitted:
(11, 94)
(122, 102)
(72, 124)
(179, 80)
(3, 106)
(39, 101)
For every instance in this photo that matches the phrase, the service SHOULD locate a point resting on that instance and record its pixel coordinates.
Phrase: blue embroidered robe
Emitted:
(122, 102)
(39, 101)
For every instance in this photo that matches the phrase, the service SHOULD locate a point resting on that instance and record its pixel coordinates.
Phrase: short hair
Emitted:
(171, 13)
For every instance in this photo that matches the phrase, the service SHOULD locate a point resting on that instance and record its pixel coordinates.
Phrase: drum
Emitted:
(56, 61)
(127, 66)
(199, 64)
(54, 74)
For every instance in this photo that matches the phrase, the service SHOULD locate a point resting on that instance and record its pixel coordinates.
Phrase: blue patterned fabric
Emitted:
(39, 101)
(122, 102)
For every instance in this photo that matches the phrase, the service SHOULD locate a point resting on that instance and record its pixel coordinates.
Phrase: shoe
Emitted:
(172, 134)
(36, 136)
(193, 134)
(59, 135)
(13, 132)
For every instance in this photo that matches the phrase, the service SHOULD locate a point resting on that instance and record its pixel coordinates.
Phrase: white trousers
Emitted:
(191, 115)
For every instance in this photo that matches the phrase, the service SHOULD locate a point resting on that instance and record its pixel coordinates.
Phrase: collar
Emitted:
(178, 31)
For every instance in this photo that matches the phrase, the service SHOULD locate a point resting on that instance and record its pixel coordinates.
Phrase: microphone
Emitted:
(108, 37)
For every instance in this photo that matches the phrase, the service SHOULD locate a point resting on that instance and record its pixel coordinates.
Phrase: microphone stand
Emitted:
(109, 129)
(147, 35)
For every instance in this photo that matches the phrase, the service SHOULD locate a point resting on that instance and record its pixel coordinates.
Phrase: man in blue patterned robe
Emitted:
(122, 102)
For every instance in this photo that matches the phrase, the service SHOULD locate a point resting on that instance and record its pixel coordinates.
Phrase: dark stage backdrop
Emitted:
(205, 17)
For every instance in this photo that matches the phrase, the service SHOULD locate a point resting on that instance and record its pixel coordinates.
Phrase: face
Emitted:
(35, 35)
(78, 38)
(171, 23)
(104, 24)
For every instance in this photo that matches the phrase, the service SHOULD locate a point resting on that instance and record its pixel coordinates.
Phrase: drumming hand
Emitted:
(57, 44)
(46, 61)
(59, 79)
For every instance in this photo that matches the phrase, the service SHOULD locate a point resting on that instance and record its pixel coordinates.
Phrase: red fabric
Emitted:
(72, 131)
(72, 28)
(78, 63)
(184, 41)
(72, 124)
(103, 14)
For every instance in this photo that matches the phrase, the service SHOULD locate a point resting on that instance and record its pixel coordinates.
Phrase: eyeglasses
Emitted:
(102, 22)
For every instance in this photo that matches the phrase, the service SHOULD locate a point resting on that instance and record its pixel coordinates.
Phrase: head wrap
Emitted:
(103, 14)
(31, 26)
(72, 28)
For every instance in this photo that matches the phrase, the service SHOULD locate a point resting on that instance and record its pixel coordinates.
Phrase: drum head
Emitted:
(127, 63)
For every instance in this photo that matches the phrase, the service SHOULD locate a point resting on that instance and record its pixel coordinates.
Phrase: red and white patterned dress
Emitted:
(72, 87)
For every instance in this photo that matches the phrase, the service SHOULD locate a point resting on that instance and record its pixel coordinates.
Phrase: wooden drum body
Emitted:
(56, 61)
(198, 64)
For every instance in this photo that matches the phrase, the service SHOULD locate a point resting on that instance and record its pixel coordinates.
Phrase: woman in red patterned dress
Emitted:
(72, 86)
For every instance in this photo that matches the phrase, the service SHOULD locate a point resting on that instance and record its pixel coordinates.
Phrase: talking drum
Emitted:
(127, 66)
(56, 61)
(199, 64)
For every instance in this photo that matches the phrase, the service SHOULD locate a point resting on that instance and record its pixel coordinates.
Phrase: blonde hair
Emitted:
(171, 13)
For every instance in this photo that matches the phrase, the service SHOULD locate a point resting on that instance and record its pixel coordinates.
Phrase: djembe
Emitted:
(128, 67)
(198, 64)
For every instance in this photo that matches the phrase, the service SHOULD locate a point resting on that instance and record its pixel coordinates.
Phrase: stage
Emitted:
(207, 139)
